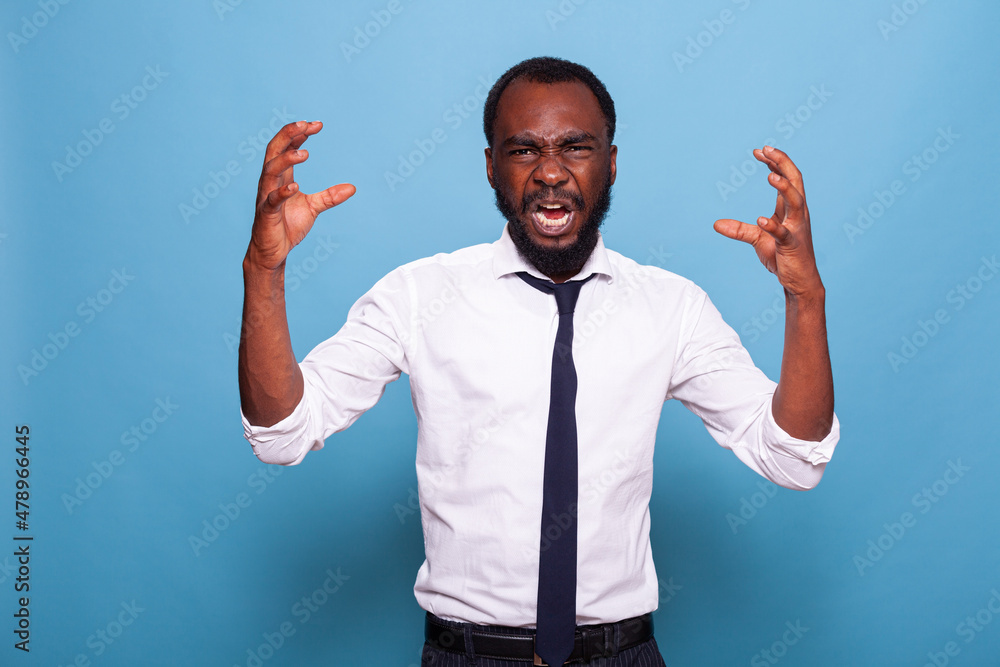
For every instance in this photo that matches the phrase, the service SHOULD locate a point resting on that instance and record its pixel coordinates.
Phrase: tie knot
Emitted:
(566, 295)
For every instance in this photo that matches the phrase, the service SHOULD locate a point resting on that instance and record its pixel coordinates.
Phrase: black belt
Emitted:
(591, 641)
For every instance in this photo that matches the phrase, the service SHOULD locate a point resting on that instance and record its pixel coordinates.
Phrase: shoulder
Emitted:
(656, 282)
(677, 303)
(439, 270)
(469, 258)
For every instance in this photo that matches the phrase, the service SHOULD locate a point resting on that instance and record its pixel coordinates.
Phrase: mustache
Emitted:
(552, 193)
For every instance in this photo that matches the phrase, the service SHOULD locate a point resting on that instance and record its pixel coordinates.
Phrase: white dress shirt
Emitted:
(477, 343)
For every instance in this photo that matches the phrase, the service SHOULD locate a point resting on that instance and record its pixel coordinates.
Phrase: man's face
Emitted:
(552, 169)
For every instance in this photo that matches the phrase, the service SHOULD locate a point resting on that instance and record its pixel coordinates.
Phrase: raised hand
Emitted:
(284, 215)
(271, 382)
(802, 404)
(784, 241)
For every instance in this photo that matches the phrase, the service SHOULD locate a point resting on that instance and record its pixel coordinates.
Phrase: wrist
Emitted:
(808, 301)
(252, 265)
(813, 294)
(263, 281)
(806, 292)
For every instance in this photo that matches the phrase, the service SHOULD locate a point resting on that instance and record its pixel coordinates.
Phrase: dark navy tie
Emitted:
(556, 620)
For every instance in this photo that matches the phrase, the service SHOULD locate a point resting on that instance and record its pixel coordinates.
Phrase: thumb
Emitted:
(332, 196)
(737, 230)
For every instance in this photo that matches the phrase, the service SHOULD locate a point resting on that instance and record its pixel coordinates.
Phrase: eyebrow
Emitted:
(525, 139)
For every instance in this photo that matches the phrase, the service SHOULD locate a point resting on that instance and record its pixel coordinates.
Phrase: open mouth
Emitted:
(552, 218)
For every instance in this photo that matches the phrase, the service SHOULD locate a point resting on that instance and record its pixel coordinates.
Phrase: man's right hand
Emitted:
(271, 383)
(284, 215)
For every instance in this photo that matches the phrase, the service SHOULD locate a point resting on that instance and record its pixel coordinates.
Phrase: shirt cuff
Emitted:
(815, 452)
(280, 443)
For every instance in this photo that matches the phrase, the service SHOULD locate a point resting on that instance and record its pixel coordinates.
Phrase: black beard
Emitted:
(564, 259)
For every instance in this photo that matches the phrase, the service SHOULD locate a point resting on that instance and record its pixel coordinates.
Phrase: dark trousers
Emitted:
(646, 654)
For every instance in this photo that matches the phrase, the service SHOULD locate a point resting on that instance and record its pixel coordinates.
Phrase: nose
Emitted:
(550, 171)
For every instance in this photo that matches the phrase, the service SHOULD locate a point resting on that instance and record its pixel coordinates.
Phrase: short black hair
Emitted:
(546, 69)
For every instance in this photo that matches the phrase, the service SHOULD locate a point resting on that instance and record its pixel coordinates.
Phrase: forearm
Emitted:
(270, 380)
(803, 400)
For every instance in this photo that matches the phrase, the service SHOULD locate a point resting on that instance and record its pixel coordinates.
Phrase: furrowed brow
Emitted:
(532, 141)
(522, 140)
(577, 138)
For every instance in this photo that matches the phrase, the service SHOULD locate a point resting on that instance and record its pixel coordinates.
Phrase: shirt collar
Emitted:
(506, 260)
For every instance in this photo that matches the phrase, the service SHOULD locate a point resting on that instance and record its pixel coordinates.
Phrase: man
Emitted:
(532, 555)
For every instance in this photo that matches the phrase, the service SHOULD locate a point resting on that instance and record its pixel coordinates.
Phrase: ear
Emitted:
(489, 167)
(614, 165)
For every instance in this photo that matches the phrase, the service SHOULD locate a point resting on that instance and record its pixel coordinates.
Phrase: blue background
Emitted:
(737, 559)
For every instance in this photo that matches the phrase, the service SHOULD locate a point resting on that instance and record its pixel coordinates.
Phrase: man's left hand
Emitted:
(784, 241)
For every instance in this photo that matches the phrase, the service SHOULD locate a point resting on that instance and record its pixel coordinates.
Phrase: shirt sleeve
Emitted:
(343, 376)
(717, 380)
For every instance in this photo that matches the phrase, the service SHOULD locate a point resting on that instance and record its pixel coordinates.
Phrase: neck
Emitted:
(562, 276)
(561, 264)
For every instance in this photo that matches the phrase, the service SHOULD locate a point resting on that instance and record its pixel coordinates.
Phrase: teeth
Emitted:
(552, 224)
(551, 205)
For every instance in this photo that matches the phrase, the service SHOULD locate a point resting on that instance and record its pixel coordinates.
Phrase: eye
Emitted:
(578, 152)
(521, 151)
